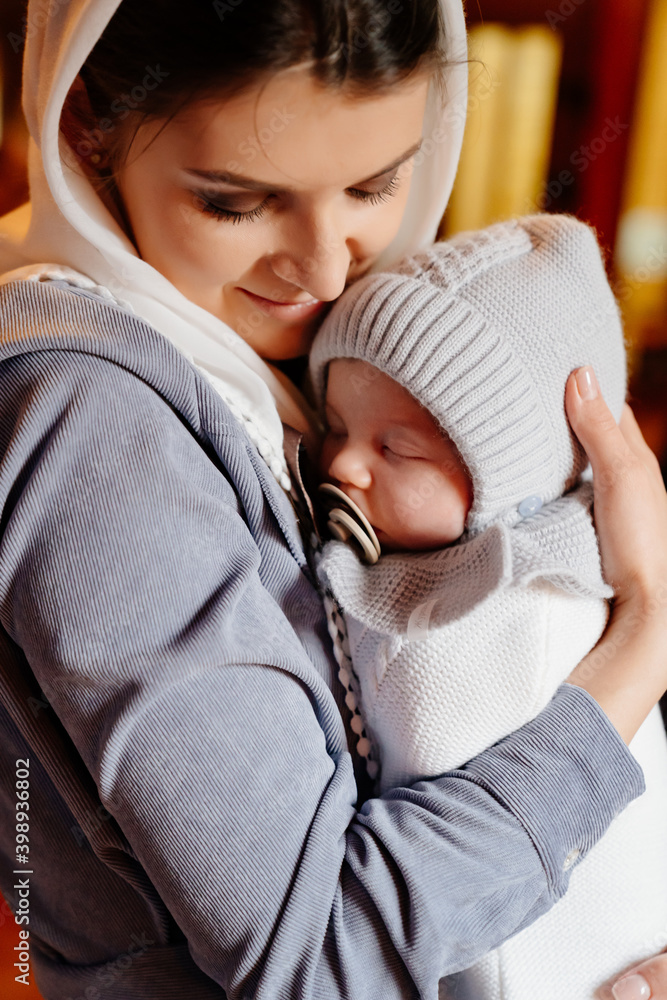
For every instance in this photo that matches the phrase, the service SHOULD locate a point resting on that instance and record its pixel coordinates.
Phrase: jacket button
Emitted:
(530, 506)
(570, 859)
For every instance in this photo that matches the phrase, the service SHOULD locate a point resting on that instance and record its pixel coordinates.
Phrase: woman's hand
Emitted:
(648, 980)
(630, 498)
(627, 671)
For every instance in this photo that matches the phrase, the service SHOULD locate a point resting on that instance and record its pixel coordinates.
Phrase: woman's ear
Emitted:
(94, 150)
(81, 127)
(77, 123)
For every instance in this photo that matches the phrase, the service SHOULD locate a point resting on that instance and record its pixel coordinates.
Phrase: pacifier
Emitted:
(346, 522)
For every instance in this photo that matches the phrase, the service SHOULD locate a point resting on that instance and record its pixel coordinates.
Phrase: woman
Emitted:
(202, 185)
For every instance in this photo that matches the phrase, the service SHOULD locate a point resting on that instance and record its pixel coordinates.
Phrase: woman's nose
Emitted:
(317, 259)
(350, 467)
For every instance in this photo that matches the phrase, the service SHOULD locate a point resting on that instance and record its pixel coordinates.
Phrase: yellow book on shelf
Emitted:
(526, 126)
(641, 248)
(514, 76)
(2, 96)
(489, 48)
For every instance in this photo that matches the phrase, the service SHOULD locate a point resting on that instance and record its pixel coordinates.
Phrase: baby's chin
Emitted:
(409, 542)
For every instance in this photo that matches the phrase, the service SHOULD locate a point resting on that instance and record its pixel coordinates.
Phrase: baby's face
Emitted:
(388, 454)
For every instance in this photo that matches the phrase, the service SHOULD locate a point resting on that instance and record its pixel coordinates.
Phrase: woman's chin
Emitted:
(278, 341)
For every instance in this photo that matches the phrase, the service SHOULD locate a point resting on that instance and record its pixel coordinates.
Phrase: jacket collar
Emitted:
(54, 315)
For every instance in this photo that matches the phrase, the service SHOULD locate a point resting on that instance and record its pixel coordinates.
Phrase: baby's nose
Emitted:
(350, 467)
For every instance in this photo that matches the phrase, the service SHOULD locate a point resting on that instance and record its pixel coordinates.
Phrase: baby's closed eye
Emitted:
(398, 451)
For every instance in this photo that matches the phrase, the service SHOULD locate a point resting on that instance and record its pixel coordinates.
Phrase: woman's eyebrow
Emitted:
(227, 177)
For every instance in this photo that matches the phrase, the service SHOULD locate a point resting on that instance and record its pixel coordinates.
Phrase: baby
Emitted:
(467, 566)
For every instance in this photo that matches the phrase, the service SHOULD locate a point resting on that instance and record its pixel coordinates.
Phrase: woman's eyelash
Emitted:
(373, 197)
(218, 212)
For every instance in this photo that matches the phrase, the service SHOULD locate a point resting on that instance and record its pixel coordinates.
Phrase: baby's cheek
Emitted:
(411, 494)
(451, 511)
(431, 511)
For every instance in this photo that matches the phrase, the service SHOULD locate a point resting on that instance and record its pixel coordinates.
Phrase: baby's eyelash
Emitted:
(399, 454)
(219, 213)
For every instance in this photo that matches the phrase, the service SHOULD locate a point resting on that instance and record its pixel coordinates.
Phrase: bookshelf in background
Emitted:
(514, 75)
(601, 48)
(607, 137)
(641, 249)
(13, 132)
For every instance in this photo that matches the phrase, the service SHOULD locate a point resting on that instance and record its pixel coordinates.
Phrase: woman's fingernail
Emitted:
(587, 384)
(632, 987)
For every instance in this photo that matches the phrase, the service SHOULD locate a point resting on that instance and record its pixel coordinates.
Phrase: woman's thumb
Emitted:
(592, 420)
(648, 980)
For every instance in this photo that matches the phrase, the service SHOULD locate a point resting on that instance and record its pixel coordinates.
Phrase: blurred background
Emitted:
(568, 113)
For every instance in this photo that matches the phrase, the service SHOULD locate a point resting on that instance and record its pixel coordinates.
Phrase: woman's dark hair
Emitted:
(156, 55)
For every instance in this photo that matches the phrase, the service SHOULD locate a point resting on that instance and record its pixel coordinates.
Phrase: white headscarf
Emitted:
(67, 224)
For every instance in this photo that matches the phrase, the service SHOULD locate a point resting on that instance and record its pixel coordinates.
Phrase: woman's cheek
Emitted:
(194, 238)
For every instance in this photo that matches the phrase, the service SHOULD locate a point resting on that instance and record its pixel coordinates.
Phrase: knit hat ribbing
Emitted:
(483, 330)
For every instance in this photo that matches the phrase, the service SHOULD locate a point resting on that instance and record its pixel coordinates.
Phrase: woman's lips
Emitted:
(285, 310)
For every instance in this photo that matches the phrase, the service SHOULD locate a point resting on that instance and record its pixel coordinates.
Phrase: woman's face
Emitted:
(280, 195)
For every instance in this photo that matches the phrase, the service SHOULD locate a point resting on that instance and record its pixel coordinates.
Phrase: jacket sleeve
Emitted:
(129, 578)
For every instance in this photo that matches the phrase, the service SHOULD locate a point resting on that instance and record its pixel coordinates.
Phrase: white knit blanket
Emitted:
(457, 648)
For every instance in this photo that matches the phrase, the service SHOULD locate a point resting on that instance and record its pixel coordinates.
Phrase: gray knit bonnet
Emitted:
(483, 330)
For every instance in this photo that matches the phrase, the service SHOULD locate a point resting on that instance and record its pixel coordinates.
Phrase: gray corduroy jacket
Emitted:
(166, 673)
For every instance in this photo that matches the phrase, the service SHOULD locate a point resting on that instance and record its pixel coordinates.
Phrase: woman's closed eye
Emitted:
(373, 197)
(206, 202)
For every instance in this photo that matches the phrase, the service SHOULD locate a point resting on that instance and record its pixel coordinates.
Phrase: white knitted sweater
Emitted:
(457, 648)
